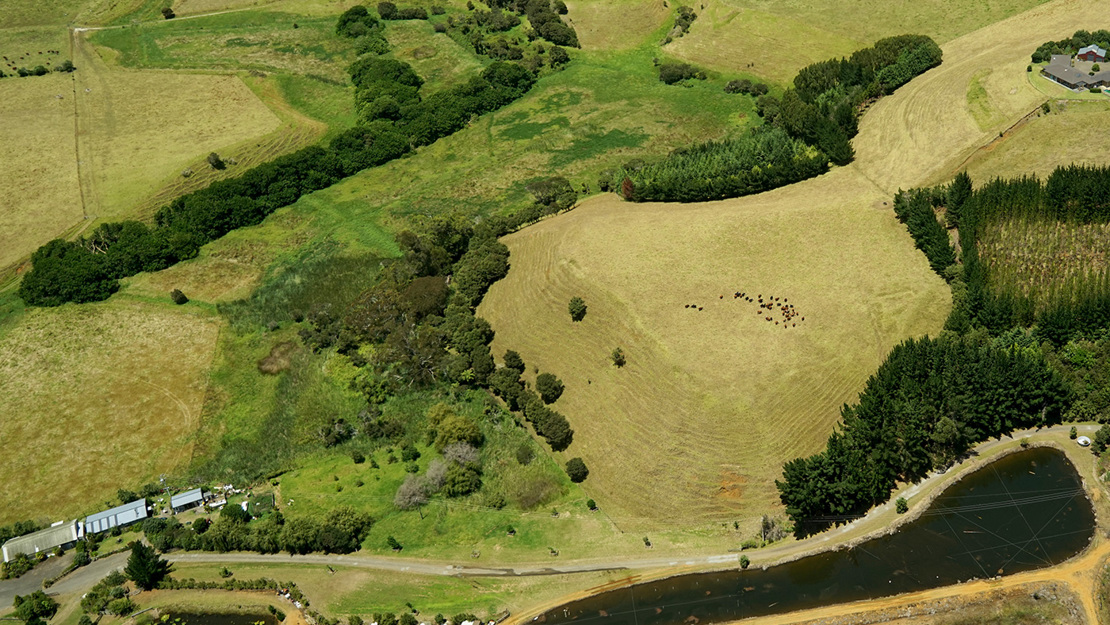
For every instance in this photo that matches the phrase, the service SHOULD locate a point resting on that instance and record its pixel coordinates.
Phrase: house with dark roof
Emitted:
(1091, 53)
(1060, 70)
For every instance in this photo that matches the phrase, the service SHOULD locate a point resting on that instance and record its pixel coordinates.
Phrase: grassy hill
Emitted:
(711, 402)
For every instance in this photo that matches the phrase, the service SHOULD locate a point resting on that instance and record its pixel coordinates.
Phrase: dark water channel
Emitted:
(219, 618)
(1025, 511)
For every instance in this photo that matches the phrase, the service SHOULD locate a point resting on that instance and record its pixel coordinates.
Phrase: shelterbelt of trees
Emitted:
(812, 124)
(395, 119)
(1072, 194)
(1008, 360)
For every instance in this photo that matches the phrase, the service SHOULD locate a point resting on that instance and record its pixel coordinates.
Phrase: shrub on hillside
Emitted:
(168, 13)
(670, 73)
(577, 308)
(178, 297)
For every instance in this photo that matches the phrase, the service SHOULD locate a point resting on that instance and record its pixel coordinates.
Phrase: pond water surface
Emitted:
(1024, 511)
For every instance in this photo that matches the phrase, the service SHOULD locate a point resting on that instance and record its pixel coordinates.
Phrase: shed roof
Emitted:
(186, 498)
(120, 515)
(42, 540)
(1092, 48)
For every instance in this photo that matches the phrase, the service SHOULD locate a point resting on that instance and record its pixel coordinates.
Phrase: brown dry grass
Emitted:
(98, 397)
(711, 403)
(615, 25)
(279, 359)
(781, 36)
(1070, 134)
(925, 130)
(40, 173)
(137, 127)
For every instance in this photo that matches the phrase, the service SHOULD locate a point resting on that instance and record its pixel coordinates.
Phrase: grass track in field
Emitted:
(697, 425)
(101, 396)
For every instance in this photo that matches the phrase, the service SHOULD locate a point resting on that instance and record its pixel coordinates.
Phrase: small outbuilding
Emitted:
(188, 499)
(61, 534)
(1091, 53)
(1083, 441)
(120, 516)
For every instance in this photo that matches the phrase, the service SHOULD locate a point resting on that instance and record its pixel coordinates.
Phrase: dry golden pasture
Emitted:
(135, 132)
(924, 131)
(1071, 133)
(615, 25)
(711, 402)
(102, 396)
(39, 189)
(138, 127)
(778, 37)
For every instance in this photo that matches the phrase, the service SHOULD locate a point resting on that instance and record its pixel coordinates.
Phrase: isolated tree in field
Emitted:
(549, 387)
(618, 357)
(514, 361)
(168, 13)
(393, 544)
(901, 506)
(216, 162)
(144, 567)
(577, 470)
(65, 66)
(577, 308)
(178, 297)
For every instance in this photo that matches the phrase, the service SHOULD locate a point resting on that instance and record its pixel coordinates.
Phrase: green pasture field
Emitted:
(251, 40)
(352, 591)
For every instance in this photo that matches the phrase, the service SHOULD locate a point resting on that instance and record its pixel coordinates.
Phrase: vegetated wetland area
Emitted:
(684, 440)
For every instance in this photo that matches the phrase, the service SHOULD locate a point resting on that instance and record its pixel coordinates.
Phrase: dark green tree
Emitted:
(145, 567)
(514, 361)
(549, 387)
(577, 470)
(35, 606)
(577, 308)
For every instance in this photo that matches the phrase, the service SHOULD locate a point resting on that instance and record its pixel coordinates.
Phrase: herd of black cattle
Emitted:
(768, 307)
